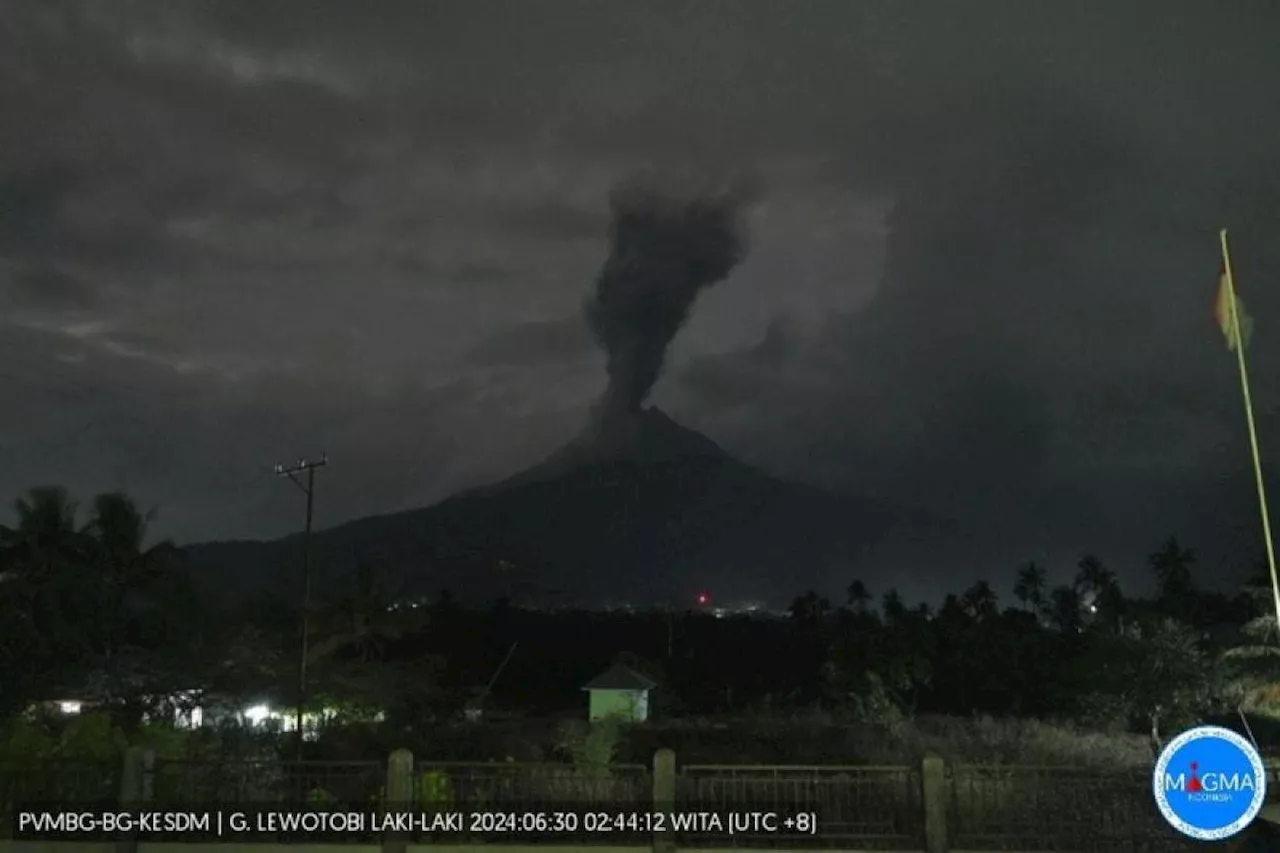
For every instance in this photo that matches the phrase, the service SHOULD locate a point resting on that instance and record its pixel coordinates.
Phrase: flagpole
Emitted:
(1253, 432)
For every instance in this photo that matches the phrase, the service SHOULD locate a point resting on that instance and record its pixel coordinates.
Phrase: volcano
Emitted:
(641, 510)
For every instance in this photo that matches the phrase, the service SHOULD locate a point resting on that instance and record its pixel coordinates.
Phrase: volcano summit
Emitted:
(636, 508)
(647, 511)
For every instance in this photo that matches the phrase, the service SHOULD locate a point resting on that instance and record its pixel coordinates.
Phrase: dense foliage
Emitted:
(88, 608)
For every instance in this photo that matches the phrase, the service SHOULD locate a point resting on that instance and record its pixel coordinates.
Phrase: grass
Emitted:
(815, 739)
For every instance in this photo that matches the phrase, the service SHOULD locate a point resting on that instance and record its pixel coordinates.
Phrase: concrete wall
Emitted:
(628, 704)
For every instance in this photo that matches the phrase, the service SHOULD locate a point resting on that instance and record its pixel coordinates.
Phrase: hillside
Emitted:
(644, 511)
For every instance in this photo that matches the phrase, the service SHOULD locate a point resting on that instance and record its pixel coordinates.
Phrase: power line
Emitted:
(308, 487)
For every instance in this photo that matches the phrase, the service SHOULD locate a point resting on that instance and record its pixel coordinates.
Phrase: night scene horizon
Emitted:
(860, 409)
(913, 295)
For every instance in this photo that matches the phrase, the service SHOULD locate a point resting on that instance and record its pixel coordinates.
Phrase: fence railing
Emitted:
(932, 806)
(480, 784)
(1055, 808)
(861, 806)
(285, 782)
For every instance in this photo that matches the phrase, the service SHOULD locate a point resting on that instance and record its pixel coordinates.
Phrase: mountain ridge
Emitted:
(641, 509)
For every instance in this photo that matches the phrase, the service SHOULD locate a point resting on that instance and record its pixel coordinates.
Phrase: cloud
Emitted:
(979, 282)
(48, 286)
(537, 342)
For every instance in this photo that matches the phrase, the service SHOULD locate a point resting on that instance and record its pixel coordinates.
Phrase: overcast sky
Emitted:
(980, 282)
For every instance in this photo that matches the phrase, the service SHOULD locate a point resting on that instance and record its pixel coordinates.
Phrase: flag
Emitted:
(1222, 313)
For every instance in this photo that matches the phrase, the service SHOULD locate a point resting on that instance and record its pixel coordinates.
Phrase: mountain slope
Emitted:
(643, 511)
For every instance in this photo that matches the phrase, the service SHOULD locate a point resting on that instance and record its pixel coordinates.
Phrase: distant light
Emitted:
(69, 707)
(257, 714)
(703, 598)
(1093, 608)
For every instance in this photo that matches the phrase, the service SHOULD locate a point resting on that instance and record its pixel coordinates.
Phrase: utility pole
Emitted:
(309, 489)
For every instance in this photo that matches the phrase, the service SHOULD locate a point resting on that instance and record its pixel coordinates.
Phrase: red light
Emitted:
(702, 598)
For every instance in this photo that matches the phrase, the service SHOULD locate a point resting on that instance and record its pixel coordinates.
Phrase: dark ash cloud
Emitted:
(664, 249)
(232, 233)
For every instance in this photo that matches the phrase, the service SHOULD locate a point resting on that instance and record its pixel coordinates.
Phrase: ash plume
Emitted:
(665, 247)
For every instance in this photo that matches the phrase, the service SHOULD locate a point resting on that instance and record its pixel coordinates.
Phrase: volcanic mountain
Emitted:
(644, 510)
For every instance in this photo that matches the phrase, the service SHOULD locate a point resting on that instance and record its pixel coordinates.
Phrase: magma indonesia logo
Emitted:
(1209, 783)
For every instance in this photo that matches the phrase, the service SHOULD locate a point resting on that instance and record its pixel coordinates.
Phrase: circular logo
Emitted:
(1209, 783)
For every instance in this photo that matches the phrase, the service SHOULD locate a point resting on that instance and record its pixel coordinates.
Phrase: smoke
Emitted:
(666, 246)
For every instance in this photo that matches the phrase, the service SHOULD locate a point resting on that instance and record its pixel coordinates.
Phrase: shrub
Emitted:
(93, 737)
(435, 789)
(23, 740)
(593, 746)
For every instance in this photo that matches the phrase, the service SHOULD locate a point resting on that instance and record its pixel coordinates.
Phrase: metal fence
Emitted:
(60, 780)
(1055, 808)
(56, 781)
(860, 807)
(986, 807)
(477, 784)
(296, 783)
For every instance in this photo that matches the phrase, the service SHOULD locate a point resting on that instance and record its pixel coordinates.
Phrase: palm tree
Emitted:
(859, 596)
(45, 566)
(1091, 575)
(1172, 566)
(809, 608)
(361, 620)
(45, 536)
(1098, 589)
(120, 528)
(117, 529)
(350, 655)
(1064, 608)
(133, 578)
(895, 610)
(1255, 662)
(46, 515)
(980, 600)
(1030, 587)
(92, 590)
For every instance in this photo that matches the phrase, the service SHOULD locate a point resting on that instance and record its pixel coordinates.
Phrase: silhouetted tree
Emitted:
(1254, 662)
(1065, 609)
(893, 607)
(1099, 593)
(1171, 678)
(106, 610)
(980, 601)
(1030, 587)
(809, 608)
(859, 596)
(361, 620)
(1172, 566)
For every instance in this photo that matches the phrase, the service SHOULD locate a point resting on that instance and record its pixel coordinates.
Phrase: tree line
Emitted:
(88, 605)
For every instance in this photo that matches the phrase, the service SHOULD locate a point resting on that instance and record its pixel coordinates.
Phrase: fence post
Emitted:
(399, 797)
(135, 786)
(933, 794)
(664, 796)
(148, 773)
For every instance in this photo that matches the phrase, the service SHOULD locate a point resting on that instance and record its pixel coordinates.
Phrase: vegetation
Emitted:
(1082, 671)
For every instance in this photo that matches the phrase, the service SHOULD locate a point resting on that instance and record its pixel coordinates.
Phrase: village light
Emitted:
(69, 707)
(257, 714)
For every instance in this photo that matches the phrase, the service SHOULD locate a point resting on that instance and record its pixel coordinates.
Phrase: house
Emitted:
(621, 692)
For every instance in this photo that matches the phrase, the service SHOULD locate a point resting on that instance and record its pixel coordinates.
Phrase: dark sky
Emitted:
(980, 282)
